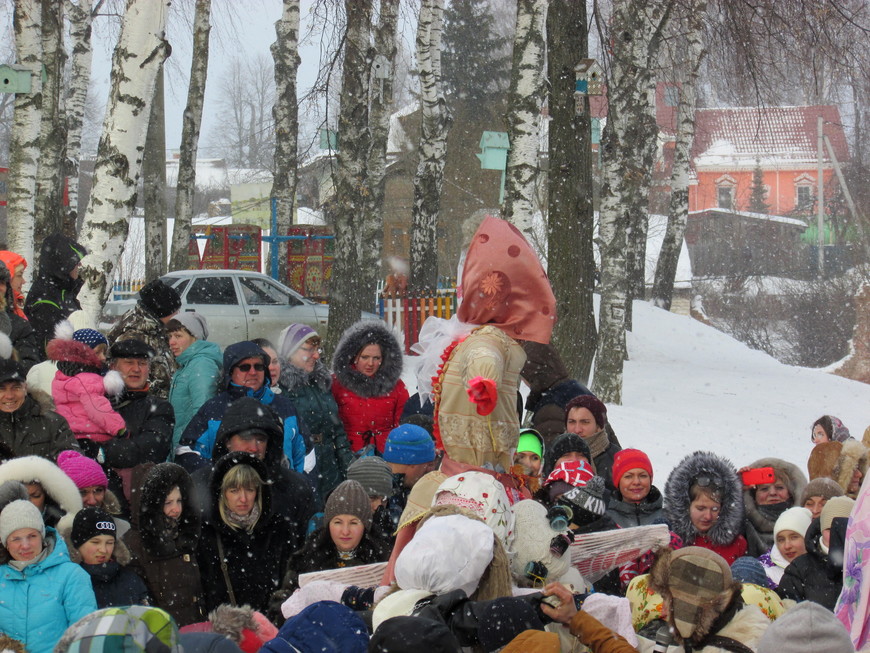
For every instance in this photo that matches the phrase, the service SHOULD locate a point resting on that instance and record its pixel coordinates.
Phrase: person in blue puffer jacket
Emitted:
(42, 592)
(246, 374)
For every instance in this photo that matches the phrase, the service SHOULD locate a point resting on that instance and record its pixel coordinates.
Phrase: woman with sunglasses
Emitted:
(704, 504)
(306, 381)
(246, 374)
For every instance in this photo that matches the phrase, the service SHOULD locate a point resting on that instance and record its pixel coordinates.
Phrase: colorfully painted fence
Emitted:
(407, 313)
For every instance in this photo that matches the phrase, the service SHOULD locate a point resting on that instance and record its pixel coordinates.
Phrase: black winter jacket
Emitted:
(293, 497)
(815, 576)
(256, 559)
(54, 294)
(116, 585)
(34, 430)
(150, 421)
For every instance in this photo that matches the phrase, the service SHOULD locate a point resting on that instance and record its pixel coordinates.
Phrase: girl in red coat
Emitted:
(366, 384)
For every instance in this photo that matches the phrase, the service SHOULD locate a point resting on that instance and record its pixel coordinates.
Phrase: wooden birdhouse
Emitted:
(589, 78)
(15, 79)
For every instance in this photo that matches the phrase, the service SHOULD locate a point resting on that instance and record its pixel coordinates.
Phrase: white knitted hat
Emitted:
(794, 519)
(20, 514)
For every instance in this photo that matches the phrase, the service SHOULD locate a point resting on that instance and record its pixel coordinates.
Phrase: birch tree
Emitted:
(50, 175)
(432, 152)
(678, 208)
(524, 112)
(285, 112)
(355, 267)
(628, 143)
(190, 126)
(381, 81)
(136, 63)
(81, 16)
(571, 264)
(24, 141)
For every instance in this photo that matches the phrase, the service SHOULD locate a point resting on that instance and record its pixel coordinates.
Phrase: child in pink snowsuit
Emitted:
(79, 392)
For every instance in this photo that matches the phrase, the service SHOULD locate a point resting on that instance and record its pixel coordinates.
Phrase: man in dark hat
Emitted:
(27, 426)
(149, 418)
(146, 321)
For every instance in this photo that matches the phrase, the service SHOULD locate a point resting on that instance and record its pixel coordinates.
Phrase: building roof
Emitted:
(742, 136)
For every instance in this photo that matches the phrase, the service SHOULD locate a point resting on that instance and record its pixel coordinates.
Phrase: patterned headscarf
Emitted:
(504, 284)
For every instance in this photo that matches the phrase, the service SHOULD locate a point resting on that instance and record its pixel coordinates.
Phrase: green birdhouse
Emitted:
(328, 140)
(494, 148)
(15, 79)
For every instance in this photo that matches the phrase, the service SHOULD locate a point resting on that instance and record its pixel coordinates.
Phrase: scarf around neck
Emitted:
(245, 522)
(598, 443)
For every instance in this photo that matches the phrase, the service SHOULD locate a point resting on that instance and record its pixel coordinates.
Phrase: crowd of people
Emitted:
(159, 493)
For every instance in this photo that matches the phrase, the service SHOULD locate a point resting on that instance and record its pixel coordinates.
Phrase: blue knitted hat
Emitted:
(408, 444)
(90, 337)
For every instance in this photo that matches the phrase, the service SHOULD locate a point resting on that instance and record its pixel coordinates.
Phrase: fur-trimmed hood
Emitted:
(148, 517)
(293, 377)
(677, 499)
(57, 486)
(368, 332)
(72, 351)
(795, 481)
(838, 460)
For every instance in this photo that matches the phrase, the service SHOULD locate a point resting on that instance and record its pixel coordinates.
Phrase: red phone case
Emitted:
(758, 476)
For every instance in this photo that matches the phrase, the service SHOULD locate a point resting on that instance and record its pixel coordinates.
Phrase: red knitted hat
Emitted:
(630, 459)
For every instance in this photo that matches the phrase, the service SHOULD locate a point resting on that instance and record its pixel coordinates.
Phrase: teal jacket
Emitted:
(195, 382)
(39, 603)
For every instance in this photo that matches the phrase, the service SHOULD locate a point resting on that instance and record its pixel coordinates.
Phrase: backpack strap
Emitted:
(728, 644)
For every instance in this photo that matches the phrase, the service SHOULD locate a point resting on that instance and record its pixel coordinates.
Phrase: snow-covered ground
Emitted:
(689, 387)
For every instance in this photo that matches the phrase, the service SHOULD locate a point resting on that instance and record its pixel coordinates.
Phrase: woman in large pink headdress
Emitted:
(506, 298)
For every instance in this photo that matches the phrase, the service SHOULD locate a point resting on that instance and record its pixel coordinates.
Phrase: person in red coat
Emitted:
(704, 504)
(366, 384)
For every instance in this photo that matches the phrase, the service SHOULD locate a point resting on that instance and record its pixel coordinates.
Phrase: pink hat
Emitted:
(84, 471)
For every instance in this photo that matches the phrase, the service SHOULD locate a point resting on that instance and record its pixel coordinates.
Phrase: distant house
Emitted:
(722, 242)
(731, 143)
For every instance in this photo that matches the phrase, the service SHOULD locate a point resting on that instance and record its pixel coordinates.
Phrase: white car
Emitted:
(238, 305)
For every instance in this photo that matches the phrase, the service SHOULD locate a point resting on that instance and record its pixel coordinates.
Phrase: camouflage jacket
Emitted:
(138, 323)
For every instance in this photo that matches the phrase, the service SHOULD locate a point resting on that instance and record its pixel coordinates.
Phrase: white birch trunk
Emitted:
(352, 287)
(436, 121)
(50, 174)
(191, 123)
(628, 146)
(381, 103)
(24, 141)
(81, 18)
(285, 111)
(136, 62)
(678, 208)
(524, 101)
